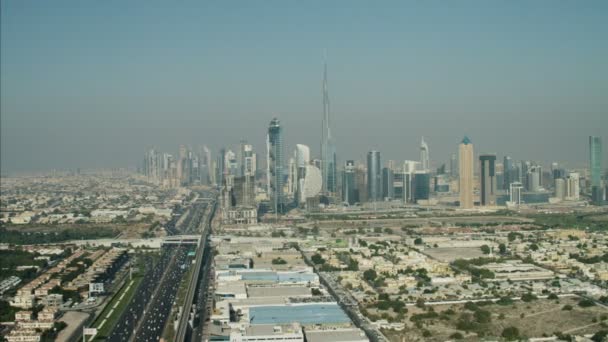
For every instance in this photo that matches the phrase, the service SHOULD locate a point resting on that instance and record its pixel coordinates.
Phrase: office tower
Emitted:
(220, 170)
(274, 165)
(291, 176)
(328, 151)
(453, 165)
(230, 163)
(360, 184)
(181, 162)
(249, 166)
(560, 188)
(441, 183)
(311, 186)
(391, 164)
(534, 178)
(349, 183)
(465, 156)
(595, 168)
(374, 177)
(424, 155)
(243, 190)
(302, 161)
(422, 185)
(387, 183)
(409, 169)
(488, 179)
(595, 160)
(572, 186)
(507, 165)
(206, 165)
(515, 190)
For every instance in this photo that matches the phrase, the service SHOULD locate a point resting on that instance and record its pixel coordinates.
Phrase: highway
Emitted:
(146, 315)
(189, 320)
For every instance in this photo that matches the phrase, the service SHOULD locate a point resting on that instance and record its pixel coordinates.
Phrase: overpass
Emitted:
(181, 240)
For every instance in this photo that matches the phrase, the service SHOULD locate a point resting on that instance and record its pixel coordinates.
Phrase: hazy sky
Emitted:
(93, 83)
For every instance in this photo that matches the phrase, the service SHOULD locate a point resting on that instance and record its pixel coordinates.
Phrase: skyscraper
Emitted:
(507, 166)
(424, 155)
(388, 191)
(348, 183)
(374, 177)
(465, 156)
(453, 167)
(328, 150)
(274, 165)
(488, 179)
(595, 160)
(302, 160)
(595, 167)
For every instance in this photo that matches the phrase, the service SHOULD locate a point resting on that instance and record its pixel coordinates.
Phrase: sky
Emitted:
(93, 84)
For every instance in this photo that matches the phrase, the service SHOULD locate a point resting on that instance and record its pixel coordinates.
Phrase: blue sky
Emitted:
(93, 83)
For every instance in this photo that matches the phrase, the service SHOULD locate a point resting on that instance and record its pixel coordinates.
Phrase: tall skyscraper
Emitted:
(302, 161)
(508, 173)
(595, 167)
(328, 150)
(348, 183)
(274, 165)
(453, 165)
(374, 177)
(465, 155)
(595, 160)
(388, 191)
(488, 179)
(424, 155)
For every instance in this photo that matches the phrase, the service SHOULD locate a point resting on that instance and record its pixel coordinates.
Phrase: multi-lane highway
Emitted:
(146, 315)
(190, 323)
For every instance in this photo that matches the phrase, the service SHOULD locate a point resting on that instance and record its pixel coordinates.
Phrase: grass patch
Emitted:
(118, 305)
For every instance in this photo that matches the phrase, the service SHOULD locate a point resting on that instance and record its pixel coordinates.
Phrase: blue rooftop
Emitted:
(304, 314)
(466, 140)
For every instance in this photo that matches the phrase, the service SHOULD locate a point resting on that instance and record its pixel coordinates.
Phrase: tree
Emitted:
(502, 248)
(485, 249)
(370, 275)
(456, 336)
(317, 259)
(585, 303)
(528, 297)
(510, 333)
(418, 241)
(534, 247)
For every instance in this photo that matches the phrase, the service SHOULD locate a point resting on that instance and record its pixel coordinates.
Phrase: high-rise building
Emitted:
(488, 179)
(302, 161)
(507, 165)
(424, 155)
(328, 150)
(422, 186)
(595, 168)
(572, 186)
(560, 188)
(374, 177)
(453, 165)
(291, 176)
(409, 169)
(515, 190)
(595, 160)
(466, 158)
(274, 165)
(387, 183)
(349, 183)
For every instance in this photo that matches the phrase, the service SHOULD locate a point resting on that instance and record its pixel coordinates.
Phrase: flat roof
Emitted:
(326, 313)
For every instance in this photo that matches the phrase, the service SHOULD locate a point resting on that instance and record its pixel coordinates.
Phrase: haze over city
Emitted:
(95, 85)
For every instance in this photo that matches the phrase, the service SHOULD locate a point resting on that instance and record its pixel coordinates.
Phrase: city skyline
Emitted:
(161, 93)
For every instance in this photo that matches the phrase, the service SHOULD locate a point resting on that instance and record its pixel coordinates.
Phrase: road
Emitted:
(145, 317)
(192, 321)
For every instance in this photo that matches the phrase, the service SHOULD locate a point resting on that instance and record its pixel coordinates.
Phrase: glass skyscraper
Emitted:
(595, 167)
(274, 148)
(374, 176)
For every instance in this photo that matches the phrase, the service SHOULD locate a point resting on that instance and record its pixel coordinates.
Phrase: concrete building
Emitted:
(466, 158)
